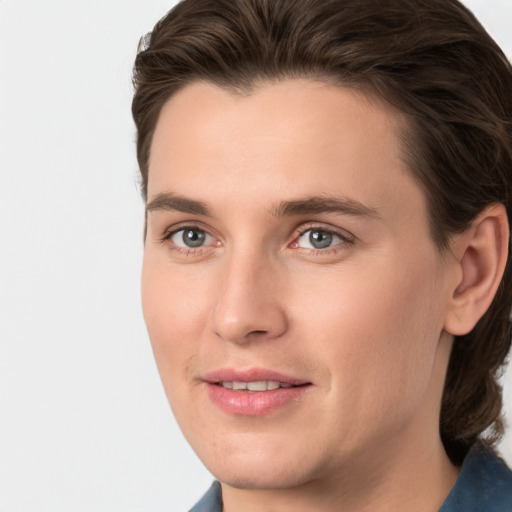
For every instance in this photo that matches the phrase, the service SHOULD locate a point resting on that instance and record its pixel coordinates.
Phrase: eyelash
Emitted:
(186, 251)
(346, 238)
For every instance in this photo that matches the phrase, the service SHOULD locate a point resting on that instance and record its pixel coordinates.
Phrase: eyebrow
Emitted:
(309, 205)
(172, 202)
(319, 204)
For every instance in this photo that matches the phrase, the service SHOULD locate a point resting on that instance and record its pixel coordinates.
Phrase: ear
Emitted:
(481, 255)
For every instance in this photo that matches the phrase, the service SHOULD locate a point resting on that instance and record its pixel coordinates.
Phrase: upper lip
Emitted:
(251, 375)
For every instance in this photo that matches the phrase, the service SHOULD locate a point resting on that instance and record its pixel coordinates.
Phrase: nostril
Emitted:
(242, 322)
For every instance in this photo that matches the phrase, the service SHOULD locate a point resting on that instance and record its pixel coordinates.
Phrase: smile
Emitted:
(254, 392)
(265, 385)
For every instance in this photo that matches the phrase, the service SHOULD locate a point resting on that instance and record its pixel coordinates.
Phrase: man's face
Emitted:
(288, 247)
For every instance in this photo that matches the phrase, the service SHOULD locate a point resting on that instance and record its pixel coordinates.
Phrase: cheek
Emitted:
(378, 333)
(174, 312)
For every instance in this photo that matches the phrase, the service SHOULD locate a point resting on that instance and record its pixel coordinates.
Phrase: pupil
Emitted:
(320, 239)
(193, 237)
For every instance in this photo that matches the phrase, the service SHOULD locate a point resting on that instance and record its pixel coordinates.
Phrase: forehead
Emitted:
(281, 141)
(290, 112)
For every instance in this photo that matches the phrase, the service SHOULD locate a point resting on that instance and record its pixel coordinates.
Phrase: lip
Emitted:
(253, 403)
(251, 375)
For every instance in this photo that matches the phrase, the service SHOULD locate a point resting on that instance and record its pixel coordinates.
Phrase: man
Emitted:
(327, 279)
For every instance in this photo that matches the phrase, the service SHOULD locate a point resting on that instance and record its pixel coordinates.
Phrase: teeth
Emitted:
(257, 386)
(266, 385)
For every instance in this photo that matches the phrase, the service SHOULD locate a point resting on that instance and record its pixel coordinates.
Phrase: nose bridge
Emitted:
(248, 304)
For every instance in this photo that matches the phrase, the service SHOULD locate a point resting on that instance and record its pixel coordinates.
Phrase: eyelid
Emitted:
(184, 252)
(319, 226)
(206, 238)
(347, 240)
(172, 230)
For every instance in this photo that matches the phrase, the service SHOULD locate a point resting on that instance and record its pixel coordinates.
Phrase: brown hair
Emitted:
(429, 58)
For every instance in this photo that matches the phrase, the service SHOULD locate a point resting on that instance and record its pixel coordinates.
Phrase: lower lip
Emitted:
(253, 403)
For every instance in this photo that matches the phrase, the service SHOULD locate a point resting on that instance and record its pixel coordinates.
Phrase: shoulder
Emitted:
(484, 484)
(211, 501)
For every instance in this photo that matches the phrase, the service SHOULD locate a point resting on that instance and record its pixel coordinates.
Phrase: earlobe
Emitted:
(481, 255)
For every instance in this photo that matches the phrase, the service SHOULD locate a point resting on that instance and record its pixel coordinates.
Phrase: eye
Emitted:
(318, 239)
(190, 238)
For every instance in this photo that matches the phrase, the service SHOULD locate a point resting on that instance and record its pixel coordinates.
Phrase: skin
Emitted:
(363, 320)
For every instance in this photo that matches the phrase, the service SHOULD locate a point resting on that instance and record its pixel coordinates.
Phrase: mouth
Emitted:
(254, 392)
(262, 385)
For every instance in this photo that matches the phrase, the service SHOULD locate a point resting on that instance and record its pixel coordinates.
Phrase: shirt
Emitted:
(484, 485)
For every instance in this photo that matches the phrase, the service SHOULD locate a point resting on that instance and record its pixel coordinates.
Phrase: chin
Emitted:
(267, 478)
(263, 471)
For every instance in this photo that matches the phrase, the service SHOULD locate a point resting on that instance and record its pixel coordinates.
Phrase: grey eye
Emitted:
(190, 238)
(318, 239)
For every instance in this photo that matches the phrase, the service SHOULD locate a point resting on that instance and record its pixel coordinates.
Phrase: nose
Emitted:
(248, 306)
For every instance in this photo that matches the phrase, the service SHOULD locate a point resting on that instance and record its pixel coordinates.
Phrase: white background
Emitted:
(84, 424)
